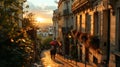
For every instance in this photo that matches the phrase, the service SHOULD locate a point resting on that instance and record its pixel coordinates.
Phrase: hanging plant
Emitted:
(83, 37)
(94, 42)
(78, 35)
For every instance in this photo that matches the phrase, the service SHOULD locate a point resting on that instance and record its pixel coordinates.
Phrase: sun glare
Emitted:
(38, 19)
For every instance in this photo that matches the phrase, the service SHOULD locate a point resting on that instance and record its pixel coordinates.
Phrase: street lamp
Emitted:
(69, 36)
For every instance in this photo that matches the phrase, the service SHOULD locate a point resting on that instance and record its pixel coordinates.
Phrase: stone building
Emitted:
(99, 22)
(65, 23)
(55, 24)
(115, 35)
(96, 18)
(14, 9)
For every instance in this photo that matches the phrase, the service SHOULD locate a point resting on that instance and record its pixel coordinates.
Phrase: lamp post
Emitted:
(69, 44)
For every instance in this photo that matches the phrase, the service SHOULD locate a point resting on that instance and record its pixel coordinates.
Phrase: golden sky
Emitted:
(43, 9)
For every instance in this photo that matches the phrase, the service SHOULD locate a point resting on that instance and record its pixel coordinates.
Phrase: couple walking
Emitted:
(53, 52)
(55, 44)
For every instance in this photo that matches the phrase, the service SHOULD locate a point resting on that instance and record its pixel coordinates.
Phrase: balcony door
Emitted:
(96, 24)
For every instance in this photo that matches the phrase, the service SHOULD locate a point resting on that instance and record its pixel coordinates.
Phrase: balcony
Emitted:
(94, 42)
(81, 4)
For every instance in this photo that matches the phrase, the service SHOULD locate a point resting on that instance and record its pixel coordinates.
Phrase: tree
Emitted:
(9, 19)
(31, 30)
(15, 46)
(45, 43)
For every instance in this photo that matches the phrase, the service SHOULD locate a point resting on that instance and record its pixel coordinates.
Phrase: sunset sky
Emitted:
(43, 9)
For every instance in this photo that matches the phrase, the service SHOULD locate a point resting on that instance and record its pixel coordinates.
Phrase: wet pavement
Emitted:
(59, 61)
(47, 61)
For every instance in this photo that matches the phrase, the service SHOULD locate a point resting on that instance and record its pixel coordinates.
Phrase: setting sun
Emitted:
(38, 19)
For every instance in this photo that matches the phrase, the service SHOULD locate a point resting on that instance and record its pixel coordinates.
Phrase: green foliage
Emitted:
(83, 37)
(11, 56)
(8, 21)
(45, 43)
(26, 23)
(29, 22)
(39, 37)
(94, 42)
(16, 47)
(16, 52)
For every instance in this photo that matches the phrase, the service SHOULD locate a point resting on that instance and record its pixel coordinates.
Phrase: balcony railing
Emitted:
(80, 3)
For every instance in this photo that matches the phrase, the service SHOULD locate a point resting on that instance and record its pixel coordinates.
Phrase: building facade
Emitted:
(115, 44)
(96, 18)
(65, 23)
(93, 26)
(55, 24)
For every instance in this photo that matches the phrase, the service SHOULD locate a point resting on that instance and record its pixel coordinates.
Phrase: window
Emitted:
(88, 23)
(96, 23)
(80, 28)
(76, 22)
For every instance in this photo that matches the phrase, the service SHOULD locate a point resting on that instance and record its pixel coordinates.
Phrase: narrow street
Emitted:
(47, 61)
(83, 33)
(59, 61)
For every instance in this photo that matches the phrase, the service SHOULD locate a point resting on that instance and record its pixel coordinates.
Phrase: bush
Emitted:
(45, 43)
